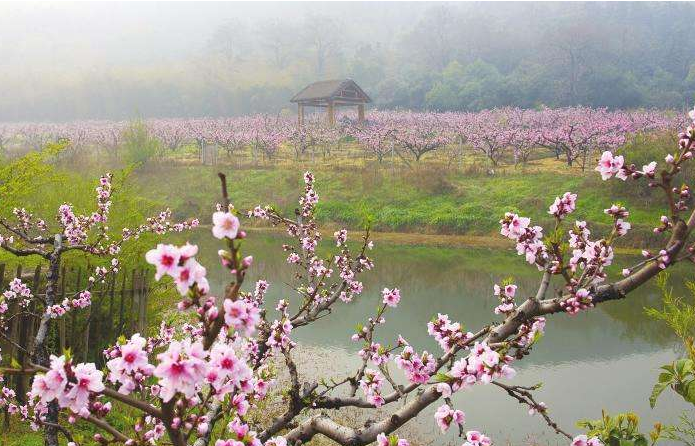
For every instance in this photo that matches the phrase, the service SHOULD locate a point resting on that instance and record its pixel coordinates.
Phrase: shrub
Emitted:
(139, 146)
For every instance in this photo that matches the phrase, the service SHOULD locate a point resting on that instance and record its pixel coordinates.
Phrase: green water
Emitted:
(607, 358)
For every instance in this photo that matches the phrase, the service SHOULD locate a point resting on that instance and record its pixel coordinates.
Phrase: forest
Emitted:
(446, 56)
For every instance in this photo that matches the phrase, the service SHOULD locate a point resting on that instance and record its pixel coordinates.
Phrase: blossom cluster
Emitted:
(16, 289)
(373, 351)
(475, 438)
(243, 315)
(391, 297)
(160, 224)
(83, 300)
(180, 264)
(417, 368)
(530, 331)
(583, 440)
(303, 254)
(392, 440)
(371, 383)
(242, 435)
(128, 364)
(70, 385)
(482, 365)
(447, 333)
(610, 165)
(563, 206)
(528, 238)
(445, 416)
(506, 295)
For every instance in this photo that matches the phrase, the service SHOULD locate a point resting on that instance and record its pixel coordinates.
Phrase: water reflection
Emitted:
(603, 359)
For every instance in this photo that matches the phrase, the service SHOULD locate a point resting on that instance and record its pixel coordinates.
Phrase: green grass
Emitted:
(429, 197)
(423, 200)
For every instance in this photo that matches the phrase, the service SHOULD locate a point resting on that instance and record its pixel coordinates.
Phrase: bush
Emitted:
(619, 430)
(139, 147)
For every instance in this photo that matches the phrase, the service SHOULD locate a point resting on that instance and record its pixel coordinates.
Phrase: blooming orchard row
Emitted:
(509, 133)
(202, 381)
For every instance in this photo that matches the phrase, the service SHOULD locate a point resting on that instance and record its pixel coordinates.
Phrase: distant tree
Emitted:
(481, 86)
(231, 41)
(444, 94)
(408, 91)
(367, 65)
(321, 40)
(527, 86)
(275, 41)
(570, 47)
(609, 86)
(432, 40)
(474, 87)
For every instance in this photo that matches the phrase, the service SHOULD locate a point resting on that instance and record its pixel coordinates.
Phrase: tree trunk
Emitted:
(39, 352)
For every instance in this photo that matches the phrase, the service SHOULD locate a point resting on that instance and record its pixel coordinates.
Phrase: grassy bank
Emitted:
(431, 198)
(414, 201)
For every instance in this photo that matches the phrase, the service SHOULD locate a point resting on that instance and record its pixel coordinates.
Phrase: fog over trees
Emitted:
(67, 61)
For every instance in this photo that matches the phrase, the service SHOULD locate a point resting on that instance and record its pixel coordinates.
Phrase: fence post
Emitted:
(100, 293)
(73, 315)
(121, 309)
(110, 320)
(25, 325)
(14, 325)
(61, 321)
(142, 320)
(88, 321)
(3, 344)
(133, 306)
(145, 298)
(34, 321)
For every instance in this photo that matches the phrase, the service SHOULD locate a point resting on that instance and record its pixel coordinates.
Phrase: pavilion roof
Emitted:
(344, 90)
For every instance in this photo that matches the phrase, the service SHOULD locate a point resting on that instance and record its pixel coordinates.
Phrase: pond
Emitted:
(607, 358)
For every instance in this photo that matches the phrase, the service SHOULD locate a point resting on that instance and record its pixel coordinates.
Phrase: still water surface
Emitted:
(607, 358)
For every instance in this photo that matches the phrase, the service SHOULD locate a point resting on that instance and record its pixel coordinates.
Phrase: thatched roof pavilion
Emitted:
(331, 94)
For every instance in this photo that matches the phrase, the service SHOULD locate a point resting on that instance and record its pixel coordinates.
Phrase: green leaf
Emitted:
(442, 378)
(656, 391)
(669, 368)
(683, 366)
(641, 441)
(665, 377)
(536, 337)
(690, 392)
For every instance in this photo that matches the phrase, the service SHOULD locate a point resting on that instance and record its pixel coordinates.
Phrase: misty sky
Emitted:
(91, 35)
(114, 60)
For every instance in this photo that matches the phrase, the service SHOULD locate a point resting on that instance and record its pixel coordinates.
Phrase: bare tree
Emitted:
(322, 37)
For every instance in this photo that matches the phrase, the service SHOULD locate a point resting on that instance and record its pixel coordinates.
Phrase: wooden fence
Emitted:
(119, 307)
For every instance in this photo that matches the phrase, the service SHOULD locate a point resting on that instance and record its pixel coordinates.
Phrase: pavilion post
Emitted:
(331, 113)
(360, 113)
(300, 114)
